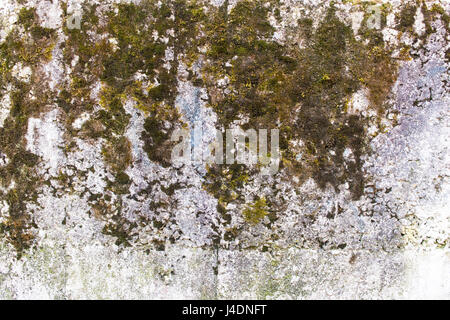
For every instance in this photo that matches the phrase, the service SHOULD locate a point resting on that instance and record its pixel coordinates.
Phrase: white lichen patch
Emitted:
(21, 72)
(5, 107)
(419, 25)
(54, 69)
(78, 123)
(44, 138)
(8, 17)
(50, 13)
(359, 103)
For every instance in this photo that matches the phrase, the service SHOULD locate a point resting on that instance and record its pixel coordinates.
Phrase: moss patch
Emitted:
(255, 212)
(19, 178)
(306, 90)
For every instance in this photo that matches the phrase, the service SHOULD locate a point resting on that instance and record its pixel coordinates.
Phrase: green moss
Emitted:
(255, 212)
(406, 18)
(132, 49)
(30, 49)
(117, 154)
(136, 50)
(92, 129)
(122, 178)
(26, 17)
(226, 184)
(38, 32)
(29, 19)
(118, 228)
(306, 90)
(158, 128)
(19, 223)
(436, 9)
(113, 117)
(170, 190)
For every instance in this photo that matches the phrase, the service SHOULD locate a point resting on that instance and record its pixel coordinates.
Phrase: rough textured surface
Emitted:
(92, 207)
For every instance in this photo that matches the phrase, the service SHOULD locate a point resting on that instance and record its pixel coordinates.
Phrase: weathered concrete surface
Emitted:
(164, 236)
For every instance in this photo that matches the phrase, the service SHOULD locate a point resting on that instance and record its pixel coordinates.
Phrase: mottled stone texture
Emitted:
(91, 206)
